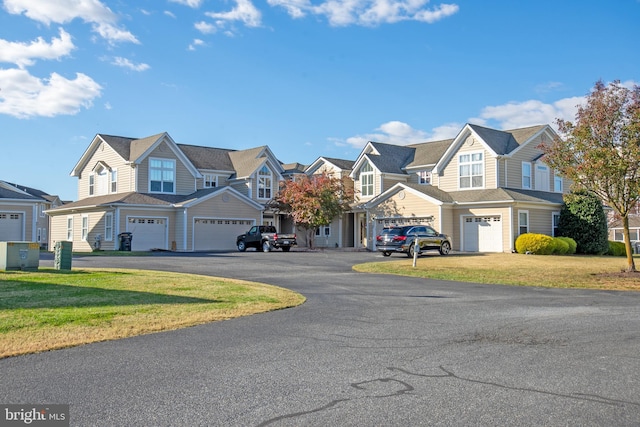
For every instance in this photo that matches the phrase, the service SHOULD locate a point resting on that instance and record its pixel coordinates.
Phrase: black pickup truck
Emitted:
(265, 237)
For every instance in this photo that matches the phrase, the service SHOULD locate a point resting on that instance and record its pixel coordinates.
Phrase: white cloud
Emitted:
(23, 95)
(515, 115)
(169, 14)
(62, 11)
(205, 27)
(244, 12)
(124, 62)
(25, 54)
(196, 43)
(393, 132)
(191, 3)
(512, 115)
(368, 12)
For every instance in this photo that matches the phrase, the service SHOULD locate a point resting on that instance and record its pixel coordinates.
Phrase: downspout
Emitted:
(184, 232)
(34, 223)
(511, 242)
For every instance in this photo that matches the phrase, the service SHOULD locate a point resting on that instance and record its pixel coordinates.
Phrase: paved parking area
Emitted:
(364, 350)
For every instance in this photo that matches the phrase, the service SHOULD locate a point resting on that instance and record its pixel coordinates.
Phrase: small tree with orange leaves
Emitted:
(314, 201)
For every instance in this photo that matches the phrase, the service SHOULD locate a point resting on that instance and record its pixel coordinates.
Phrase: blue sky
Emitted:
(308, 78)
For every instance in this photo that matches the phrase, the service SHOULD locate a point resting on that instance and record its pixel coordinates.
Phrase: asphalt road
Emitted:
(364, 350)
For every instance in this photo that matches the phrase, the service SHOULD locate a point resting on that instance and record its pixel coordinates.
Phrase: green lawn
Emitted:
(568, 271)
(51, 309)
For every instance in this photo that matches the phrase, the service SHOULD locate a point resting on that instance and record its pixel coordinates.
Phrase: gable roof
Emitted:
(342, 164)
(13, 191)
(208, 157)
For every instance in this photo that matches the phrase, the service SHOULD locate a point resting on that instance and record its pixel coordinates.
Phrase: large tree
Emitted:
(314, 201)
(600, 151)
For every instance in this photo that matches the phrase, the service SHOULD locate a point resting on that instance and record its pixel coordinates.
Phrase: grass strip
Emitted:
(52, 309)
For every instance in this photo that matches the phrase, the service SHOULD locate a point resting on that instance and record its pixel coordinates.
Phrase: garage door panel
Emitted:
(218, 234)
(148, 233)
(483, 234)
(11, 226)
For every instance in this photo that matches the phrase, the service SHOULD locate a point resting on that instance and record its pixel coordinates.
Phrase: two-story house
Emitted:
(483, 188)
(22, 213)
(169, 196)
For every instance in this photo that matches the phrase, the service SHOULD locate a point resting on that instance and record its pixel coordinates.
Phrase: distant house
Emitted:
(616, 231)
(22, 213)
(483, 188)
(169, 196)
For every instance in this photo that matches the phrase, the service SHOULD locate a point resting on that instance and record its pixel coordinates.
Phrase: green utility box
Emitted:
(19, 256)
(63, 252)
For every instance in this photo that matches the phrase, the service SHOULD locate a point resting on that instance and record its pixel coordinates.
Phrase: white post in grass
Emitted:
(416, 249)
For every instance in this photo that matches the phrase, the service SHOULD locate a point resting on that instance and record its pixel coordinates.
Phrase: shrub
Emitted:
(538, 244)
(560, 247)
(572, 244)
(617, 249)
(583, 219)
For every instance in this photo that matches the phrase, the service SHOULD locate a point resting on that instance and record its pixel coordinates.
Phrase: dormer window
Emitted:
(471, 169)
(264, 183)
(210, 181)
(162, 175)
(526, 175)
(366, 180)
(424, 178)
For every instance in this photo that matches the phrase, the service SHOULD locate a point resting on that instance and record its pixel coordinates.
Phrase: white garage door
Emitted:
(218, 234)
(10, 227)
(148, 233)
(483, 233)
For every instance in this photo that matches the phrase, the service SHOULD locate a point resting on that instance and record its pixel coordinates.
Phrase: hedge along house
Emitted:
(169, 196)
(483, 188)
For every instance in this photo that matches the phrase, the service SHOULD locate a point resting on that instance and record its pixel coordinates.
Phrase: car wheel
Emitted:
(241, 246)
(386, 253)
(286, 248)
(266, 246)
(411, 250)
(445, 248)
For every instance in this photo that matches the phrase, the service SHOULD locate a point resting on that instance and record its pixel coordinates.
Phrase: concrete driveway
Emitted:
(364, 350)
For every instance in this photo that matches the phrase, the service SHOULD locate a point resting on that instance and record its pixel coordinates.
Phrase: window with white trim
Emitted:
(162, 175)
(366, 180)
(542, 177)
(523, 222)
(264, 183)
(92, 184)
(526, 175)
(323, 231)
(85, 227)
(210, 181)
(108, 226)
(424, 178)
(471, 170)
(557, 183)
(114, 181)
(70, 228)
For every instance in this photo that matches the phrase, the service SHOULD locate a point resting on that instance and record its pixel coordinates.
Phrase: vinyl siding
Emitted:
(106, 154)
(514, 165)
(448, 181)
(185, 181)
(218, 208)
(458, 225)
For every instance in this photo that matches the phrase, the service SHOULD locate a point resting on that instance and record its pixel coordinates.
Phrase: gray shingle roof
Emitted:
(343, 164)
(428, 153)
(391, 158)
(505, 194)
(208, 157)
(245, 162)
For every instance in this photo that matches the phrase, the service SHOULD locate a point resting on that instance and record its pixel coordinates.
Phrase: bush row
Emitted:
(541, 244)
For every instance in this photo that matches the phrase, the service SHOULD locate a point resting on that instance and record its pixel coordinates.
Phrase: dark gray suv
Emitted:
(402, 239)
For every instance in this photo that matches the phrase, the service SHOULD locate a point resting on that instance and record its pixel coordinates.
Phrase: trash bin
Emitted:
(125, 240)
(63, 252)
